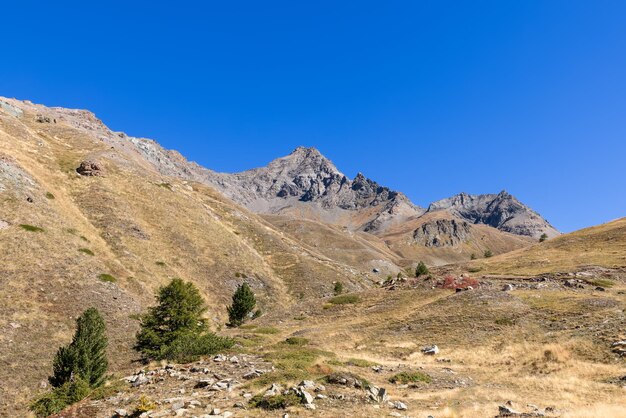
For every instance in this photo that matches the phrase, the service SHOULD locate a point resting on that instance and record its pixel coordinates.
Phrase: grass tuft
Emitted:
(410, 377)
(107, 278)
(31, 228)
(86, 251)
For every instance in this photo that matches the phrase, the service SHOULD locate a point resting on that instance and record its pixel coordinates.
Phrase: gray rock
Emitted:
(507, 287)
(121, 412)
(400, 406)
(430, 350)
(307, 398)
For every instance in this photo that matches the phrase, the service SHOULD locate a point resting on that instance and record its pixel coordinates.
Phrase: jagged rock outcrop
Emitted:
(442, 233)
(502, 211)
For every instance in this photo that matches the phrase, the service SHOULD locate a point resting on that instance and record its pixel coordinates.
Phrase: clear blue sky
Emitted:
(428, 97)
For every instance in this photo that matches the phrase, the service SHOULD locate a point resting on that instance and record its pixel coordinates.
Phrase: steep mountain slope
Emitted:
(502, 211)
(109, 239)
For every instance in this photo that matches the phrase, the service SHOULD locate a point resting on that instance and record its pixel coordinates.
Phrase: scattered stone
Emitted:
(378, 394)
(43, 119)
(508, 287)
(178, 405)
(307, 398)
(121, 412)
(430, 350)
(90, 168)
(216, 411)
(307, 384)
(400, 406)
(219, 358)
(309, 406)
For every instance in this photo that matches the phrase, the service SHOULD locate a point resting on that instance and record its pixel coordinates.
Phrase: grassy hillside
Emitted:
(603, 246)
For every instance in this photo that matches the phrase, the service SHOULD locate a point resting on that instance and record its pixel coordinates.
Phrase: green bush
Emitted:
(86, 251)
(160, 263)
(175, 328)
(421, 269)
(505, 322)
(107, 278)
(49, 195)
(338, 289)
(275, 402)
(61, 397)
(488, 253)
(344, 299)
(31, 228)
(266, 330)
(85, 356)
(243, 303)
(543, 237)
(410, 377)
(473, 256)
(189, 347)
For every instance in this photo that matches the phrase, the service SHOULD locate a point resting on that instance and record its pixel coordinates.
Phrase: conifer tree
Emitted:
(85, 356)
(421, 269)
(243, 303)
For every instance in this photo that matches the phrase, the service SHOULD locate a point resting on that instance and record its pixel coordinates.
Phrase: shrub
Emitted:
(85, 356)
(175, 328)
(31, 228)
(421, 269)
(49, 195)
(410, 377)
(189, 347)
(488, 253)
(473, 256)
(505, 322)
(86, 251)
(160, 263)
(602, 282)
(297, 341)
(59, 398)
(243, 303)
(338, 289)
(275, 402)
(344, 299)
(107, 278)
(543, 237)
(257, 314)
(144, 404)
(474, 269)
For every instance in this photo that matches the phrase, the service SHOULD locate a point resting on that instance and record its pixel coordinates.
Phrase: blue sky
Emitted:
(427, 97)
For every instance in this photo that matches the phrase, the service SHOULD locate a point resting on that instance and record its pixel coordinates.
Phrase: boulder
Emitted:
(400, 406)
(90, 168)
(430, 350)
(508, 287)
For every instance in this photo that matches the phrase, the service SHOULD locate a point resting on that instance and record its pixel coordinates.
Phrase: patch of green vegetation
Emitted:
(299, 341)
(31, 228)
(84, 238)
(299, 317)
(70, 231)
(110, 388)
(167, 186)
(248, 326)
(507, 322)
(344, 299)
(296, 358)
(601, 282)
(488, 253)
(360, 362)
(274, 402)
(49, 195)
(410, 377)
(474, 269)
(107, 278)
(160, 263)
(86, 251)
(60, 397)
(266, 330)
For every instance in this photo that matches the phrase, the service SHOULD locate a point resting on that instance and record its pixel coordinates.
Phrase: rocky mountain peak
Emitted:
(502, 211)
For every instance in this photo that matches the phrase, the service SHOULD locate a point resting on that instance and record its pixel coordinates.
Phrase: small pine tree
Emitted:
(85, 356)
(488, 253)
(179, 312)
(421, 269)
(243, 303)
(543, 237)
(338, 288)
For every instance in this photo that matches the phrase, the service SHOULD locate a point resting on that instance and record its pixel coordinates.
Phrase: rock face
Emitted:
(442, 233)
(307, 177)
(502, 211)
